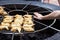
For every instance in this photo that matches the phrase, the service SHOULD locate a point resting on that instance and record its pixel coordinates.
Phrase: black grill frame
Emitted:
(53, 7)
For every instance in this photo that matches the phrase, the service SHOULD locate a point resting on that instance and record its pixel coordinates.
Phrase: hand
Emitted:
(38, 16)
(53, 15)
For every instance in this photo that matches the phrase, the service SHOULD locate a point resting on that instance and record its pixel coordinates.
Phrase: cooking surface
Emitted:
(39, 36)
(48, 34)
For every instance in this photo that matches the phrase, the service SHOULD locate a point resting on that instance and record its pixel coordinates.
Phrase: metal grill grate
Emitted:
(30, 9)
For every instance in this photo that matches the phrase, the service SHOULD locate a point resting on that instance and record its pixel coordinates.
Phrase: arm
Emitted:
(53, 15)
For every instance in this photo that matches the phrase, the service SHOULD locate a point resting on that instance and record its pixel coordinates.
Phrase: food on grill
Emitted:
(28, 23)
(18, 19)
(27, 17)
(5, 24)
(15, 26)
(8, 19)
(2, 11)
(8, 16)
(28, 28)
(17, 22)
(18, 16)
(3, 27)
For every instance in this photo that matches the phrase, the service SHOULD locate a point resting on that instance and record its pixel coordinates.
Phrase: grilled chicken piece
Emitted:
(18, 19)
(18, 16)
(28, 23)
(28, 28)
(15, 26)
(7, 16)
(2, 11)
(8, 19)
(5, 24)
(27, 17)
(3, 27)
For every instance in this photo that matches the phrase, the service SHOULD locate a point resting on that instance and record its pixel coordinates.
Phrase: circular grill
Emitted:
(13, 9)
(22, 9)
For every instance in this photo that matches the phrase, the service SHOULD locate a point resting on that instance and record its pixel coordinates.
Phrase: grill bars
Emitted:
(47, 26)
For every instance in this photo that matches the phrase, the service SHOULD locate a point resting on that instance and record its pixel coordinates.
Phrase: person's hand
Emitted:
(53, 15)
(38, 16)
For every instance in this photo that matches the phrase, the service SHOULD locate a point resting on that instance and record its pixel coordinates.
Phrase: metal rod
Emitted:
(52, 23)
(48, 26)
(26, 6)
(41, 23)
(8, 9)
(15, 7)
(21, 35)
(54, 28)
(40, 29)
(13, 36)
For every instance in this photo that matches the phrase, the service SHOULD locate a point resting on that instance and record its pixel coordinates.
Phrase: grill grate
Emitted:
(31, 9)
